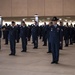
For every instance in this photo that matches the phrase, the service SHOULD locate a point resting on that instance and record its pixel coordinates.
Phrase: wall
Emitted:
(5, 8)
(19, 8)
(69, 7)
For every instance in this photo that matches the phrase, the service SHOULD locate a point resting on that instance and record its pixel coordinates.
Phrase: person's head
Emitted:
(71, 25)
(36, 23)
(13, 23)
(23, 23)
(54, 20)
(50, 23)
(6, 24)
(67, 24)
(61, 23)
(44, 23)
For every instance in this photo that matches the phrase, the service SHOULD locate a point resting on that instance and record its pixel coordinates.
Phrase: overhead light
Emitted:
(32, 20)
(40, 21)
(60, 19)
(68, 17)
(24, 19)
(66, 20)
(48, 18)
(70, 20)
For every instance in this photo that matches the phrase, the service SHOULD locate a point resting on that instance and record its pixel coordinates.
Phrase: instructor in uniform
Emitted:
(54, 39)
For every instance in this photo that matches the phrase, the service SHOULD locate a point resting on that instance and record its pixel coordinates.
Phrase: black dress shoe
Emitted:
(5, 44)
(66, 45)
(60, 48)
(71, 44)
(44, 45)
(11, 54)
(23, 51)
(35, 48)
(49, 52)
(53, 62)
(17, 42)
(56, 63)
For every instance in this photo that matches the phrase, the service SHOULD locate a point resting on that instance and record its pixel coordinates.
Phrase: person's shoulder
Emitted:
(10, 27)
(58, 25)
(26, 27)
(51, 26)
(15, 26)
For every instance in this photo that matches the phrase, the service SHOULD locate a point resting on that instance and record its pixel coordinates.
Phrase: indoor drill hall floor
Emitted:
(36, 61)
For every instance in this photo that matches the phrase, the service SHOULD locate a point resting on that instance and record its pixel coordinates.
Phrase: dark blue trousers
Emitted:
(55, 51)
(49, 46)
(35, 40)
(12, 46)
(24, 44)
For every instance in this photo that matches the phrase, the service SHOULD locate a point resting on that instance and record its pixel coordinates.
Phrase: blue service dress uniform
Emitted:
(61, 36)
(49, 44)
(66, 36)
(35, 33)
(71, 35)
(12, 39)
(45, 35)
(23, 35)
(74, 34)
(29, 33)
(54, 39)
(17, 33)
(40, 32)
(6, 34)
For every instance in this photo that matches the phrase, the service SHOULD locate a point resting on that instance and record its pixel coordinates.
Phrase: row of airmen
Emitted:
(53, 34)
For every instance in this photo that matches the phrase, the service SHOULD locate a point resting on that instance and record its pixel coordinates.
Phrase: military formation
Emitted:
(52, 35)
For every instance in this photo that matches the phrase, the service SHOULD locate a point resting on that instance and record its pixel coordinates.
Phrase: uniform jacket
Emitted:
(54, 34)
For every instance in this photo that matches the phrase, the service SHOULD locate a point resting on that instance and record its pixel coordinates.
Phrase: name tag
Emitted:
(58, 29)
(61, 29)
(51, 29)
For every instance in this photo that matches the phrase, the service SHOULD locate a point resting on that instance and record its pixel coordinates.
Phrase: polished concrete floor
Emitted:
(36, 61)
